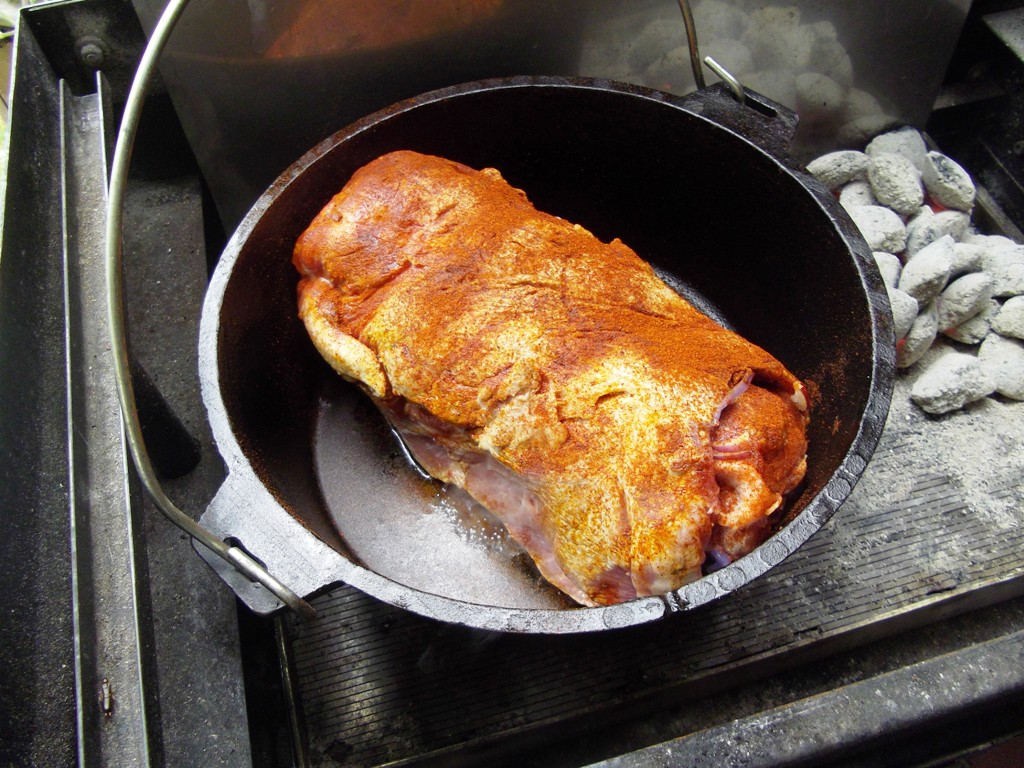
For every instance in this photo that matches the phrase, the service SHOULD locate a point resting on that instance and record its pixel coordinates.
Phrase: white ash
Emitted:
(860, 129)
(926, 272)
(772, 48)
(890, 266)
(1002, 359)
(940, 348)
(919, 338)
(995, 253)
(1008, 278)
(952, 223)
(862, 105)
(947, 182)
(780, 46)
(927, 226)
(951, 382)
(819, 98)
(957, 288)
(905, 142)
(978, 448)
(904, 311)
(987, 241)
(975, 329)
(857, 193)
(1010, 319)
(966, 258)
(838, 168)
(896, 183)
(882, 228)
(778, 40)
(962, 299)
(1003, 260)
(740, 59)
(776, 17)
(829, 57)
(717, 19)
(824, 31)
(920, 231)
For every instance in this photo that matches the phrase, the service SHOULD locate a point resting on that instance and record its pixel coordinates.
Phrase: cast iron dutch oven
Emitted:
(321, 492)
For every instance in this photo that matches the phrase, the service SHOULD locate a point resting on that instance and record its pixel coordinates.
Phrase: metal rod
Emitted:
(695, 59)
(118, 332)
(728, 79)
(289, 682)
(691, 39)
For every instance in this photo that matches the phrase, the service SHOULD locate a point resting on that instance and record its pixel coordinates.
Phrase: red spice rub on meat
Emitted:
(619, 433)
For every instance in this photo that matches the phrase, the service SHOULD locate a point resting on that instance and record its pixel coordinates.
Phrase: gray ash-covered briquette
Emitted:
(957, 294)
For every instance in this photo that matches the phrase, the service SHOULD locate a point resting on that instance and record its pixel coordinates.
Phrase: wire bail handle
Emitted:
(695, 60)
(233, 555)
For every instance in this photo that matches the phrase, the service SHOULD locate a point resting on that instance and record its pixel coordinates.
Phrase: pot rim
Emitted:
(642, 610)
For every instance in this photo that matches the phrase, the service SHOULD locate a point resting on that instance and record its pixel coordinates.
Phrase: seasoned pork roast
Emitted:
(620, 435)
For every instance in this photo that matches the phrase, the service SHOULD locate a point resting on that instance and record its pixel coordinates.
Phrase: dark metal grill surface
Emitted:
(936, 526)
(934, 529)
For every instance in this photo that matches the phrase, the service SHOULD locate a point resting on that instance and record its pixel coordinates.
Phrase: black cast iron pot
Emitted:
(319, 489)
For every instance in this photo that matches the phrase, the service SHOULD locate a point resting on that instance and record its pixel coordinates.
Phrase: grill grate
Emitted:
(934, 526)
